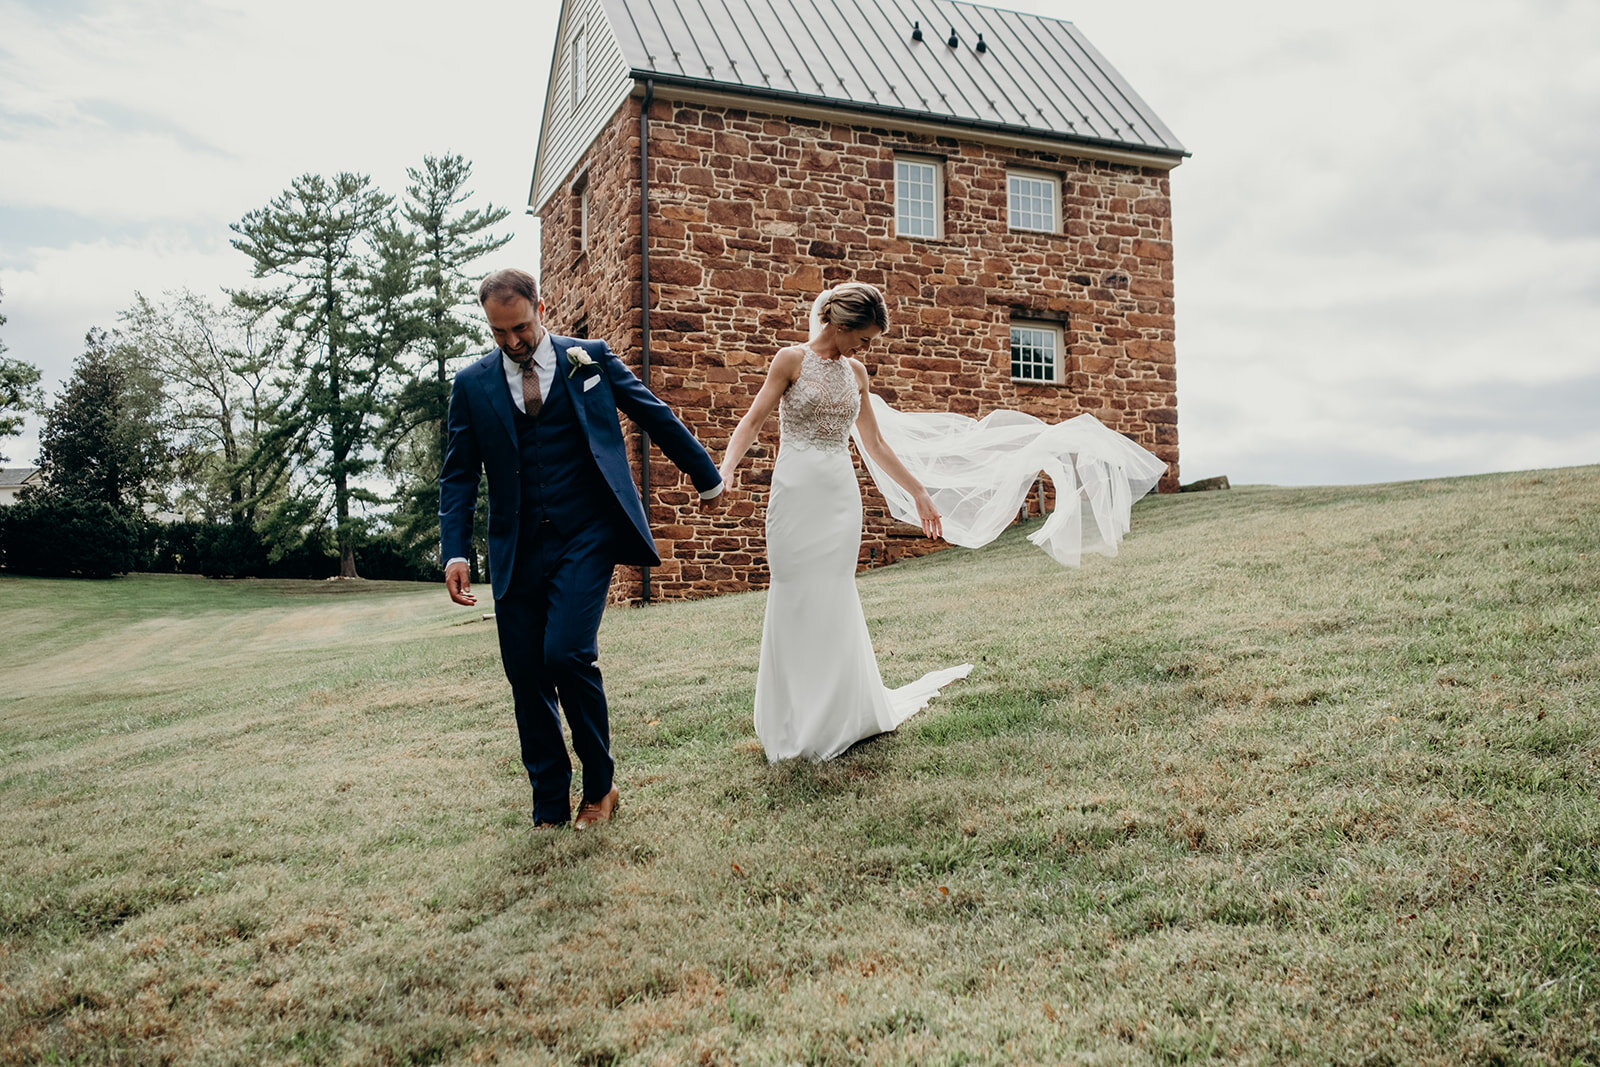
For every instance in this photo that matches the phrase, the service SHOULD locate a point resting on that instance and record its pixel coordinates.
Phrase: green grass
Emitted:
(1304, 775)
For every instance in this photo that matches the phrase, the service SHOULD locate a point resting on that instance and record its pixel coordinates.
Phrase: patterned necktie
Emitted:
(531, 400)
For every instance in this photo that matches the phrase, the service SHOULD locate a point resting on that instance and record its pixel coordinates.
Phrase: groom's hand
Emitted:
(715, 503)
(458, 585)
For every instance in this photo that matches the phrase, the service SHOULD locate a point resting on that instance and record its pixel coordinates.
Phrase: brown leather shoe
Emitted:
(593, 811)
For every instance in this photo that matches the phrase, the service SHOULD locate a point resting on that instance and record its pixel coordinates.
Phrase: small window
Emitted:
(918, 197)
(1032, 201)
(580, 329)
(580, 67)
(1036, 351)
(580, 212)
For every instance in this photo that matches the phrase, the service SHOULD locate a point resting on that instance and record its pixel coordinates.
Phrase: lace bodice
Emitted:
(818, 410)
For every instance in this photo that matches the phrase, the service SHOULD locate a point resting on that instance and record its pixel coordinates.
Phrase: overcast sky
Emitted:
(1388, 236)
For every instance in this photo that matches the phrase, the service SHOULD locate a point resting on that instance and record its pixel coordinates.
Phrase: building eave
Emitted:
(700, 90)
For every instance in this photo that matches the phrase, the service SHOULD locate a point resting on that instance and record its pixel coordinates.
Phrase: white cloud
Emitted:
(145, 111)
(1382, 227)
(134, 133)
(53, 303)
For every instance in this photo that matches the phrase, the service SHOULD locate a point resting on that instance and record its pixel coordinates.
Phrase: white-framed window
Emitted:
(1036, 351)
(579, 206)
(580, 67)
(918, 197)
(1033, 201)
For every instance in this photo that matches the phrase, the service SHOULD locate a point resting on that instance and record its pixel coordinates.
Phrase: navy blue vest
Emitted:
(561, 483)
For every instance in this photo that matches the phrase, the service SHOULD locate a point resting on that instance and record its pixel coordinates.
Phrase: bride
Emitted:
(818, 690)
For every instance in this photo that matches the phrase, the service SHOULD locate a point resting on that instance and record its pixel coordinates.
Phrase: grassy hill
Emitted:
(1302, 775)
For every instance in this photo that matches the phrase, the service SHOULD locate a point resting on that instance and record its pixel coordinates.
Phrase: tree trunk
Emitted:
(230, 457)
(444, 423)
(339, 436)
(341, 510)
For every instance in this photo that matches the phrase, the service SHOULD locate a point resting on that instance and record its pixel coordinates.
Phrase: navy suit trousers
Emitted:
(548, 621)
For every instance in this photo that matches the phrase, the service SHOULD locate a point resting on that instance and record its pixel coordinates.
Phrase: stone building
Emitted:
(704, 170)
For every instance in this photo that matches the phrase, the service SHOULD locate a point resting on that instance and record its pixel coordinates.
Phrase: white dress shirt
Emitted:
(544, 360)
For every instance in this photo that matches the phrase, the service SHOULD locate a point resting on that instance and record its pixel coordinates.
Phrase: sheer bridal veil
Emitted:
(979, 473)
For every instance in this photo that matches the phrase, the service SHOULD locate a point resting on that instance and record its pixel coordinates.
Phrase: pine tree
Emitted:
(448, 242)
(450, 239)
(344, 291)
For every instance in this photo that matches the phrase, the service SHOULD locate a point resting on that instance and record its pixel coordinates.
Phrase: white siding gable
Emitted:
(569, 127)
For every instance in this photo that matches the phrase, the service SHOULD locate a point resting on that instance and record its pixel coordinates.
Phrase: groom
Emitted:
(539, 416)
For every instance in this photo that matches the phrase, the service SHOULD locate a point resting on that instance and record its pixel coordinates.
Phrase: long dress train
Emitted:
(979, 473)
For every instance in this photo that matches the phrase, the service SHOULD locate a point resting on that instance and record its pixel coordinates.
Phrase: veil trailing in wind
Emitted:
(979, 473)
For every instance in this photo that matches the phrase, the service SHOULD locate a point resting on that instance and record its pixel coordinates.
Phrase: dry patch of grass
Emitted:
(1305, 775)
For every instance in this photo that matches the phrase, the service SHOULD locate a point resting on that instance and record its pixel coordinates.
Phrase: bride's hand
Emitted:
(929, 515)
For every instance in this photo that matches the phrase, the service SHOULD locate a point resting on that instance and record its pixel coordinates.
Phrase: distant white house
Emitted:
(15, 479)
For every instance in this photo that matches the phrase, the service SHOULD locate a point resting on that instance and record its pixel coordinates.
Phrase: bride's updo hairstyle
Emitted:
(853, 306)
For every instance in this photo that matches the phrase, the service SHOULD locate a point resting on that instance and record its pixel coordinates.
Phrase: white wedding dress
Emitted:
(818, 690)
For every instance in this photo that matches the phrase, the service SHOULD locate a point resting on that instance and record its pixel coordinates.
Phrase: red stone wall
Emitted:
(754, 214)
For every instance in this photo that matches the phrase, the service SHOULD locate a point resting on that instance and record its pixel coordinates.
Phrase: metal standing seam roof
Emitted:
(1038, 75)
(11, 477)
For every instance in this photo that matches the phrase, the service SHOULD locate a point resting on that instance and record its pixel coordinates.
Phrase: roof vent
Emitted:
(954, 40)
(980, 46)
(916, 31)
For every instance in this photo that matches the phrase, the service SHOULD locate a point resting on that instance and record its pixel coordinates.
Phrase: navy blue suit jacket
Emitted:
(483, 436)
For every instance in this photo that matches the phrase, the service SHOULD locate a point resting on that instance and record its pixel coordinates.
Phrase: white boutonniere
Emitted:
(577, 359)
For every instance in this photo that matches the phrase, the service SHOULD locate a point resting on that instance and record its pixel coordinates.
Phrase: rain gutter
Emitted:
(644, 311)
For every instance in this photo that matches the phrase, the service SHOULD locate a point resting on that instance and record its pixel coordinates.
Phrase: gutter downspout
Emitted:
(644, 309)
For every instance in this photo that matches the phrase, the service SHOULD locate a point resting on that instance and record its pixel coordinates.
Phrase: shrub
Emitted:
(168, 547)
(63, 536)
(228, 551)
(58, 535)
(384, 557)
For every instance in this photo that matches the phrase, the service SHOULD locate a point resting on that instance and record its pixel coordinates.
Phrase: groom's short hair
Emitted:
(508, 284)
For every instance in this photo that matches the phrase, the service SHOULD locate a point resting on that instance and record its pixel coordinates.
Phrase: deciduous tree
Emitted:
(102, 439)
(19, 392)
(215, 363)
